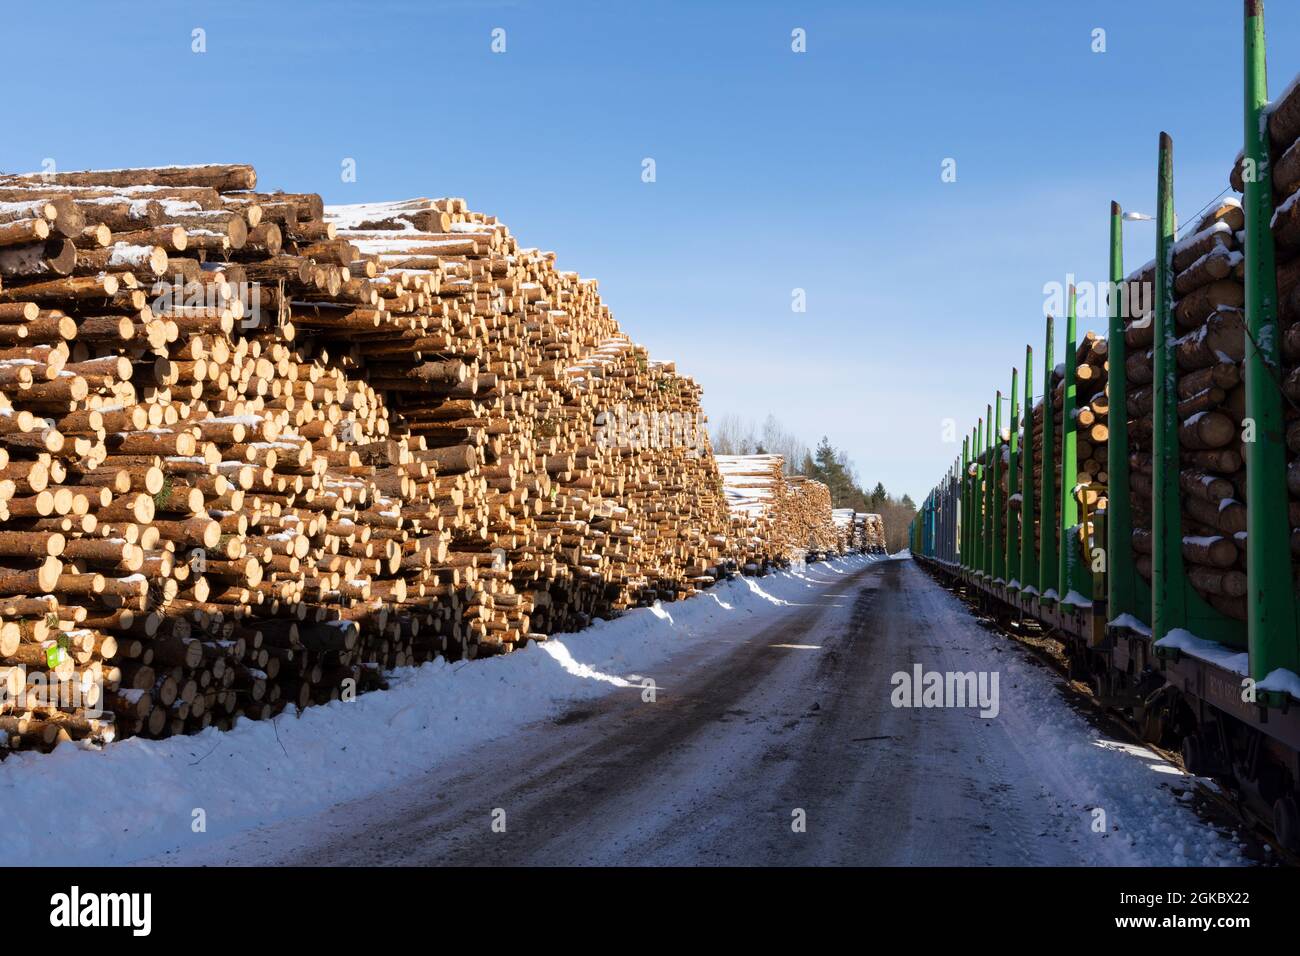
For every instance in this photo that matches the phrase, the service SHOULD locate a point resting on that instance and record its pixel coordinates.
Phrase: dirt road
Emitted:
(748, 736)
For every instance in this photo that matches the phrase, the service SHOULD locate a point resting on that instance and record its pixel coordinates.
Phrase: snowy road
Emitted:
(759, 726)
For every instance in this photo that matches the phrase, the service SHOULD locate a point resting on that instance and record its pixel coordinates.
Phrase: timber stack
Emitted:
(856, 530)
(1284, 142)
(778, 518)
(1209, 293)
(874, 534)
(754, 486)
(806, 513)
(255, 452)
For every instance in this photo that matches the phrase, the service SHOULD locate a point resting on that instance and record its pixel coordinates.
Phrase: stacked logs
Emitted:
(873, 533)
(779, 519)
(851, 529)
(254, 453)
(1092, 432)
(1284, 139)
(1209, 295)
(807, 522)
(754, 486)
(861, 531)
(1091, 417)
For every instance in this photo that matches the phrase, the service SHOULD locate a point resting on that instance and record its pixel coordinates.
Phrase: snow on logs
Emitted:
(254, 452)
(777, 518)
(1209, 293)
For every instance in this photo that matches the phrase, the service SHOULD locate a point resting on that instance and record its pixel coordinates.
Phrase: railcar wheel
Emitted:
(1286, 827)
(1194, 761)
(1153, 724)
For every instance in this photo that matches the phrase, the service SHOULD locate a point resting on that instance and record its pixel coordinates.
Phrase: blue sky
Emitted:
(775, 170)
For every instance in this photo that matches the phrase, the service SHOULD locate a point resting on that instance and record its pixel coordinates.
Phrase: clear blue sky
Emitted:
(775, 170)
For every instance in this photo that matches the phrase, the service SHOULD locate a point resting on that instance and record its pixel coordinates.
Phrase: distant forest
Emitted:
(733, 435)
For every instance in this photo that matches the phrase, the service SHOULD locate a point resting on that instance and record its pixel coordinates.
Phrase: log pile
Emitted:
(1091, 416)
(254, 452)
(808, 525)
(873, 533)
(754, 487)
(1284, 140)
(850, 530)
(1092, 431)
(779, 519)
(1209, 295)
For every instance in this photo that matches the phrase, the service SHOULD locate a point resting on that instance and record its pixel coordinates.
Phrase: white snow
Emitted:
(1132, 623)
(1210, 651)
(1283, 209)
(1188, 241)
(1076, 599)
(1281, 680)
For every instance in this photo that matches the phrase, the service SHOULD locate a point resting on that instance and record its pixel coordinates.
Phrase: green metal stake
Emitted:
(972, 482)
(1047, 556)
(1013, 532)
(952, 556)
(1167, 571)
(1123, 586)
(1068, 565)
(948, 525)
(990, 479)
(965, 517)
(1270, 602)
(977, 552)
(964, 528)
(1174, 603)
(997, 541)
(1028, 556)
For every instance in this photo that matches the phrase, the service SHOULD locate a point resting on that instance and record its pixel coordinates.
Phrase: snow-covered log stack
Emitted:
(806, 519)
(874, 533)
(846, 529)
(777, 518)
(852, 529)
(754, 487)
(339, 443)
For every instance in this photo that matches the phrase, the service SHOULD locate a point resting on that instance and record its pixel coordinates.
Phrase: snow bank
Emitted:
(138, 798)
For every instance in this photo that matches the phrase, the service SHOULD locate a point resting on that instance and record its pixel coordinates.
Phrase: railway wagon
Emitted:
(1159, 546)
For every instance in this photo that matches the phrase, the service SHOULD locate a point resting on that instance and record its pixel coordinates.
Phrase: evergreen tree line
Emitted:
(732, 435)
